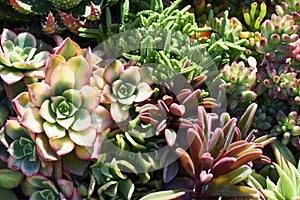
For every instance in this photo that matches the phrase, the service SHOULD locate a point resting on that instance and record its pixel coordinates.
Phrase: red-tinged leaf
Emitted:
(196, 147)
(204, 177)
(164, 195)
(228, 130)
(186, 162)
(206, 161)
(233, 149)
(170, 136)
(235, 191)
(223, 166)
(71, 22)
(203, 119)
(246, 119)
(247, 157)
(21, 7)
(50, 26)
(93, 12)
(217, 134)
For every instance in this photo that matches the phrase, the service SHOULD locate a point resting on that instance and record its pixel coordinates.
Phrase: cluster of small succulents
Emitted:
(182, 99)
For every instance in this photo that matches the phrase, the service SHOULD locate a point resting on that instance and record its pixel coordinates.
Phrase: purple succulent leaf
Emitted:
(246, 157)
(101, 119)
(44, 148)
(11, 77)
(81, 69)
(204, 177)
(186, 162)
(54, 130)
(38, 93)
(84, 138)
(62, 78)
(7, 35)
(21, 103)
(25, 40)
(196, 147)
(131, 75)
(113, 71)
(144, 92)
(52, 62)
(32, 120)
(82, 120)
(223, 166)
(67, 49)
(46, 112)
(89, 98)
(118, 113)
(217, 134)
(62, 146)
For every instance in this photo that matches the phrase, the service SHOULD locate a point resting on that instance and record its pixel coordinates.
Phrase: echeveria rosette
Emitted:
(39, 187)
(63, 110)
(23, 154)
(123, 87)
(20, 57)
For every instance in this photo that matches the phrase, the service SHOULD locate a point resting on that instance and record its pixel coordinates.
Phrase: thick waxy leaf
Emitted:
(235, 191)
(8, 35)
(44, 148)
(62, 146)
(131, 75)
(113, 71)
(46, 112)
(89, 98)
(186, 161)
(170, 136)
(38, 93)
(74, 97)
(82, 120)
(196, 147)
(14, 130)
(67, 49)
(25, 40)
(246, 120)
(83, 138)
(11, 77)
(118, 113)
(52, 63)
(74, 165)
(8, 194)
(170, 171)
(143, 92)
(62, 79)
(32, 120)
(54, 130)
(287, 188)
(101, 119)
(81, 69)
(126, 188)
(66, 187)
(10, 179)
(164, 195)
(30, 168)
(223, 166)
(247, 157)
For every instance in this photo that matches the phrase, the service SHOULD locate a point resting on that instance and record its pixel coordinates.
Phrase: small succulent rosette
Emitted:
(63, 110)
(121, 87)
(21, 56)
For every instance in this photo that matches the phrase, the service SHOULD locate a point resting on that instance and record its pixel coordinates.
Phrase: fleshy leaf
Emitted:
(246, 120)
(113, 71)
(44, 148)
(46, 112)
(81, 69)
(83, 138)
(118, 113)
(164, 195)
(170, 136)
(67, 49)
(62, 146)
(52, 62)
(30, 168)
(10, 179)
(74, 165)
(131, 75)
(11, 77)
(144, 92)
(126, 188)
(101, 119)
(236, 191)
(89, 98)
(32, 120)
(25, 40)
(186, 162)
(62, 79)
(53, 130)
(82, 120)
(38, 93)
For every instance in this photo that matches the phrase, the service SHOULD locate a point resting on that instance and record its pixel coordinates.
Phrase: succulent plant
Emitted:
(288, 128)
(63, 110)
(277, 79)
(20, 56)
(123, 87)
(251, 18)
(219, 158)
(277, 38)
(287, 184)
(239, 82)
(291, 7)
(41, 187)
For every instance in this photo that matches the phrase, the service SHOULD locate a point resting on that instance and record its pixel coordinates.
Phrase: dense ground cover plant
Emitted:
(193, 99)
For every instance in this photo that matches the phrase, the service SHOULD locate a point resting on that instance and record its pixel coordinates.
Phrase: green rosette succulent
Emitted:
(38, 187)
(123, 87)
(23, 154)
(63, 110)
(20, 56)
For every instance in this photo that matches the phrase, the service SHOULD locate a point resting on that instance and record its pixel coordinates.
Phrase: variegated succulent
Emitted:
(291, 7)
(63, 111)
(20, 56)
(123, 87)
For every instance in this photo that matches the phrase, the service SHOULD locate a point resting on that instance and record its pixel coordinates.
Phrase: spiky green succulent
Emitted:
(63, 110)
(20, 56)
